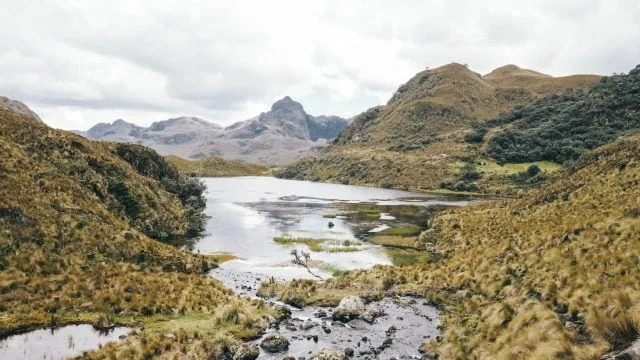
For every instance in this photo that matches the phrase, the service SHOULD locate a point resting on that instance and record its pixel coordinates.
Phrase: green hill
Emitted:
(84, 233)
(417, 140)
(560, 127)
(551, 276)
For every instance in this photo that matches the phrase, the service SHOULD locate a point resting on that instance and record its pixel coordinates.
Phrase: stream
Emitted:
(260, 220)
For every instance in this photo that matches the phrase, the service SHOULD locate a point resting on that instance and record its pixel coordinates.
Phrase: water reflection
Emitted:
(248, 212)
(57, 343)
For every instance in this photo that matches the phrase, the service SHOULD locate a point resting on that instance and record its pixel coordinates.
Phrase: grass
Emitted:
(395, 241)
(312, 244)
(316, 245)
(401, 231)
(221, 257)
(329, 216)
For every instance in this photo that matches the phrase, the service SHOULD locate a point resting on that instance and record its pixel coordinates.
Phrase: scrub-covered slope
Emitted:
(551, 276)
(80, 224)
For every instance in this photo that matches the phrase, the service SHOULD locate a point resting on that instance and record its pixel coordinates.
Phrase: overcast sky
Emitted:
(80, 62)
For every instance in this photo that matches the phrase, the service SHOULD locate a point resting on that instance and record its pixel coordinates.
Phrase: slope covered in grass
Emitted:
(214, 166)
(81, 225)
(418, 137)
(551, 276)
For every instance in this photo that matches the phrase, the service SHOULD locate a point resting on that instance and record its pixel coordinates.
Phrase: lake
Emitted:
(248, 213)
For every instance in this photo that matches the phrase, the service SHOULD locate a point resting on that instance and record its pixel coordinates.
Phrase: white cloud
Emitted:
(82, 62)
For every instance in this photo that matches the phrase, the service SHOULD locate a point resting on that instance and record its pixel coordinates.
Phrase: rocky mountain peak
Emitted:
(287, 104)
(18, 107)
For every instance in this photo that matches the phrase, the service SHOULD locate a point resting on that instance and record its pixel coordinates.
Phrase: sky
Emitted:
(77, 63)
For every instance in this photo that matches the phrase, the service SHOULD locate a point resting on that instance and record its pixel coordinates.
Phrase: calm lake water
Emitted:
(59, 343)
(247, 213)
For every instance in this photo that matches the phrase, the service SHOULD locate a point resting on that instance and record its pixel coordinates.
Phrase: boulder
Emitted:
(246, 352)
(350, 307)
(329, 354)
(630, 353)
(274, 343)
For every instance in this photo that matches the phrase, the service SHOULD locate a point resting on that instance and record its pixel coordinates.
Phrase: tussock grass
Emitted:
(551, 276)
(81, 223)
(214, 166)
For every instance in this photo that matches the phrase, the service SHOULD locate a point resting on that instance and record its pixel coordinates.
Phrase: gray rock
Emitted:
(246, 352)
(274, 343)
(329, 354)
(349, 352)
(350, 307)
(630, 353)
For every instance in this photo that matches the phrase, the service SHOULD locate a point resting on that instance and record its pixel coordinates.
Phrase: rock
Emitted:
(122, 337)
(329, 354)
(307, 325)
(630, 353)
(349, 352)
(350, 307)
(274, 343)
(321, 314)
(169, 336)
(429, 355)
(289, 358)
(371, 314)
(246, 352)
(391, 330)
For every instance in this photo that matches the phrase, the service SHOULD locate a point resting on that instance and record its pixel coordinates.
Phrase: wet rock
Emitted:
(329, 354)
(350, 307)
(274, 343)
(320, 314)
(371, 314)
(349, 352)
(246, 352)
(122, 337)
(308, 325)
(327, 330)
(289, 358)
(391, 330)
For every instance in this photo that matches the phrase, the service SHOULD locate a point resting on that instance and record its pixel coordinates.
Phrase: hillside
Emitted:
(550, 276)
(559, 128)
(85, 227)
(416, 140)
(214, 166)
(279, 136)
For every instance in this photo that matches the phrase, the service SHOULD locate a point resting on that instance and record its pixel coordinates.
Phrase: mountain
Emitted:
(553, 275)
(86, 228)
(417, 140)
(18, 107)
(279, 136)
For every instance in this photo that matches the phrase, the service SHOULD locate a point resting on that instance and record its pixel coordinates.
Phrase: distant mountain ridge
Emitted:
(18, 107)
(279, 136)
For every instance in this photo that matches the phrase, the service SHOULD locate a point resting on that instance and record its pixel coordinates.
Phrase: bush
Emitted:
(561, 127)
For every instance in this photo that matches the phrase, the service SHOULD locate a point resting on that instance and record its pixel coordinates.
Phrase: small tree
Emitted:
(303, 258)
